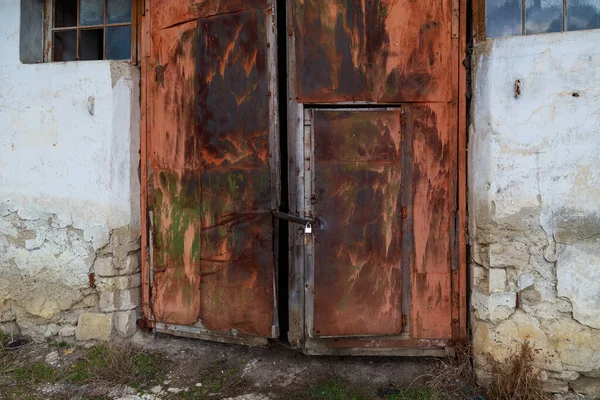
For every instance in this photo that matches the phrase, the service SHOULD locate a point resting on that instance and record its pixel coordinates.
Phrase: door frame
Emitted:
(300, 178)
(146, 175)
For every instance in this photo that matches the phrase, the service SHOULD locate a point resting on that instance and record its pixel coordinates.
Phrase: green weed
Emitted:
(415, 394)
(39, 372)
(332, 390)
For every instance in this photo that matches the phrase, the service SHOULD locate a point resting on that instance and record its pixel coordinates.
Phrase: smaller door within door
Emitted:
(378, 262)
(358, 243)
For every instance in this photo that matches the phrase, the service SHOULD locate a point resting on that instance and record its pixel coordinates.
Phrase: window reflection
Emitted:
(543, 16)
(118, 43)
(583, 14)
(503, 17)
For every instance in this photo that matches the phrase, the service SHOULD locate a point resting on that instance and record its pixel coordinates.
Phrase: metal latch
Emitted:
(294, 218)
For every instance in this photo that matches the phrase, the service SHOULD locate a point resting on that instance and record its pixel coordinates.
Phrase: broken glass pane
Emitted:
(91, 12)
(91, 44)
(65, 13)
(118, 43)
(118, 11)
(64, 45)
(503, 17)
(583, 14)
(543, 16)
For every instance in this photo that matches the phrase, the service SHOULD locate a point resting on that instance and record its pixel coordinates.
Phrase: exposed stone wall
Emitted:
(69, 193)
(534, 205)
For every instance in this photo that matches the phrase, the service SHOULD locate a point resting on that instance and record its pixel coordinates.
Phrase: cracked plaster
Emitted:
(534, 203)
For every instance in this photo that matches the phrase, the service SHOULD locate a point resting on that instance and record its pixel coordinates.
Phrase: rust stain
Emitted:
(232, 99)
(237, 251)
(167, 13)
(330, 50)
(209, 150)
(172, 117)
(237, 227)
(431, 310)
(378, 50)
(409, 50)
(357, 255)
(176, 233)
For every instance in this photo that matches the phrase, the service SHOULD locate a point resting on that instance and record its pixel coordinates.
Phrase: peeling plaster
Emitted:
(534, 202)
(69, 189)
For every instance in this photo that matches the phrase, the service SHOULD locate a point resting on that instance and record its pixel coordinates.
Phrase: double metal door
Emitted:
(373, 132)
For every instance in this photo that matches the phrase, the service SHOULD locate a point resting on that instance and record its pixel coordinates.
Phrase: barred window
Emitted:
(526, 17)
(90, 30)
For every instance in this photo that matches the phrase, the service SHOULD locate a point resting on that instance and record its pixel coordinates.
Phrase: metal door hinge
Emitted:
(455, 19)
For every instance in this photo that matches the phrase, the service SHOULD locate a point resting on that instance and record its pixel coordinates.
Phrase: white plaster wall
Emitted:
(69, 154)
(534, 184)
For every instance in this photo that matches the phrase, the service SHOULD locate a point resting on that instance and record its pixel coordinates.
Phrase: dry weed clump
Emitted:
(455, 377)
(518, 379)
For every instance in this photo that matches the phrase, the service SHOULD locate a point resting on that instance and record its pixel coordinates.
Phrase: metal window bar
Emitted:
(524, 17)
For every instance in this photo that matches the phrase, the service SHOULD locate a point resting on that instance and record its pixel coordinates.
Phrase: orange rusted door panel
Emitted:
(382, 198)
(373, 51)
(212, 169)
(358, 177)
(377, 85)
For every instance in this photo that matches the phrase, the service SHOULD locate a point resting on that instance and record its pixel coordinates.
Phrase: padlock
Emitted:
(308, 228)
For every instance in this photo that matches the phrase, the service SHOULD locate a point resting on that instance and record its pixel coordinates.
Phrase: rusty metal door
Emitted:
(375, 136)
(376, 139)
(210, 174)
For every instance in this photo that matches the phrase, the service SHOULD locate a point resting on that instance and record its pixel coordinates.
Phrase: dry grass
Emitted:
(455, 377)
(518, 379)
(120, 363)
(6, 361)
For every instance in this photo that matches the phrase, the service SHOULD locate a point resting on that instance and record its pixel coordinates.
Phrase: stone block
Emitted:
(525, 281)
(31, 244)
(130, 265)
(497, 280)
(104, 267)
(556, 386)
(40, 305)
(495, 307)
(507, 255)
(120, 300)
(94, 326)
(587, 386)
(10, 328)
(125, 322)
(67, 331)
(51, 330)
(119, 282)
(565, 375)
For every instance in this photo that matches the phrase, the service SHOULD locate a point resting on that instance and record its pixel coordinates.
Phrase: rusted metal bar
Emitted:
(293, 218)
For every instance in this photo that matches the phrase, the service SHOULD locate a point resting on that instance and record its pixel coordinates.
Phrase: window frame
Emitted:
(49, 31)
(478, 9)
